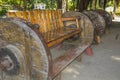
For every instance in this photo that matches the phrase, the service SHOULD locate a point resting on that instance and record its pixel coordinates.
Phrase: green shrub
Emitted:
(3, 10)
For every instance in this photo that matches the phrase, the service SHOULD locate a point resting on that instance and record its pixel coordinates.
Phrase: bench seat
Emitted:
(58, 36)
(61, 62)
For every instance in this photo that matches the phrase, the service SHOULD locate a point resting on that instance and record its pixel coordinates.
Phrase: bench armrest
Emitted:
(71, 19)
(68, 19)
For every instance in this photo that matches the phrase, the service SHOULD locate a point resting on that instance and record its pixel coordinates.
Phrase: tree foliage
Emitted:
(79, 5)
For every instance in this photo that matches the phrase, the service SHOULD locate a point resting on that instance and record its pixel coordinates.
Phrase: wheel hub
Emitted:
(8, 62)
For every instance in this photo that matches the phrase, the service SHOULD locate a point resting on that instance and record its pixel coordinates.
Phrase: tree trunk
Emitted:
(87, 2)
(59, 4)
(20, 4)
(94, 2)
(83, 4)
(25, 4)
(78, 5)
(64, 3)
(81, 7)
(105, 1)
(90, 4)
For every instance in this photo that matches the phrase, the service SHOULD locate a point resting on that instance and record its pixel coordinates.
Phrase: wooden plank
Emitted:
(31, 17)
(11, 14)
(36, 17)
(61, 37)
(60, 18)
(25, 15)
(41, 29)
(18, 14)
(63, 61)
(68, 19)
(56, 24)
(43, 16)
(51, 24)
(72, 19)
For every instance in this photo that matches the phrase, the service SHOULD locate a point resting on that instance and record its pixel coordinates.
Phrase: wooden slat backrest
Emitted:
(50, 24)
(31, 16)
(48, 20)
(41, 17)
(53, 22)
(60, 18)
(36, 17)
(43, 27)
(18, 14)
(57, 19)
(11, 14)
(53, 18)
(25, 15)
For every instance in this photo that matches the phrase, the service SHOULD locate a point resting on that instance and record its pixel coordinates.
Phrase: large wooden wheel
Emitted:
(97, 20)
(85, 24)
(23, 55)
(98, 24)
(106, 16)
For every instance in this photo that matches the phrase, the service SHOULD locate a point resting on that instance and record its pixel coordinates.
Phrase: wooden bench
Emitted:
(50, 25)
